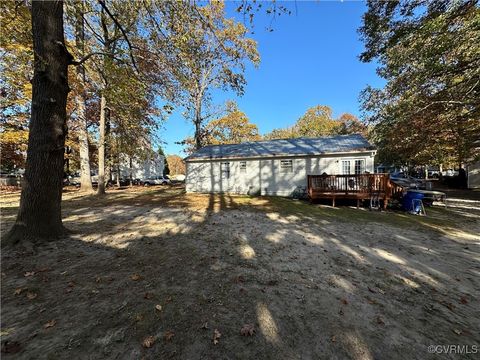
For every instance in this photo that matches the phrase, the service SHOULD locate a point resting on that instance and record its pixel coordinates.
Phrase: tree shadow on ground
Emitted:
(314, 284)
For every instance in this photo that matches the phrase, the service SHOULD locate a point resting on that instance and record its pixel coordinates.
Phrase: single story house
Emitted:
(276, 167)
(151, 166)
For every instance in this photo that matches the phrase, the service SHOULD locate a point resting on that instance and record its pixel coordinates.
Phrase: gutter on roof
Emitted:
(213, 158)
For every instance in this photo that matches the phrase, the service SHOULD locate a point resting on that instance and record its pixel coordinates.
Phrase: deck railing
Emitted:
(349, 184)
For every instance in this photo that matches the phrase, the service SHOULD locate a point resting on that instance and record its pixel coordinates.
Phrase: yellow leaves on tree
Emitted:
(13, 145)
(233, 128)
(317, 122)
(176, 165)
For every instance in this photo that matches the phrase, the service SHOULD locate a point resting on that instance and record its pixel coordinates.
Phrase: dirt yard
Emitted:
(158, 274)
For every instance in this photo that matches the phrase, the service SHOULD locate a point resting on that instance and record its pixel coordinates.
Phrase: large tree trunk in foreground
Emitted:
(39, 216)
(81, 99)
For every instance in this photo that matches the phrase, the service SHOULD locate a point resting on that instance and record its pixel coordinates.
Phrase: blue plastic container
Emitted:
(407, 201)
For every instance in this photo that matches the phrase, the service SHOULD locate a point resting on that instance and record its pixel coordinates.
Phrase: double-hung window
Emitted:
(286, 166)
(243, 166)
(225, 170)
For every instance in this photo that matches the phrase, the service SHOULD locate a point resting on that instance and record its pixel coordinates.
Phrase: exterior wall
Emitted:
(152, 167)
(473, 172)
(265, 176)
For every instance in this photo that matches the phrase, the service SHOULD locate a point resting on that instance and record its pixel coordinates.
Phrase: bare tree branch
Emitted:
(125, 36)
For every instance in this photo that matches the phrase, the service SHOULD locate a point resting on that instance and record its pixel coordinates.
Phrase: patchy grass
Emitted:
(157, 273)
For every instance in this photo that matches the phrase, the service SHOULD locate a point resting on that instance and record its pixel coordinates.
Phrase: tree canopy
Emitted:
(176, 165)
(429, 54)
(212, 56)
(232, 128)
(317, 122)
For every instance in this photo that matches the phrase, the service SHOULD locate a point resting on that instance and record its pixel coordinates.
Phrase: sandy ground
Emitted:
(158, 274)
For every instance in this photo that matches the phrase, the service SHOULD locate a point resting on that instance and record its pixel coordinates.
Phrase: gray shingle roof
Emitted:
(284, 147)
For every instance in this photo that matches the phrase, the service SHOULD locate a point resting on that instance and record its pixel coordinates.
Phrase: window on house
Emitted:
(225, 169)
(243, 166)
(286, 166)
(359, 166)
(346, 167)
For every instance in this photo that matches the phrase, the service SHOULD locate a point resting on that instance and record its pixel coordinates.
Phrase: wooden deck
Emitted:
(376, 187)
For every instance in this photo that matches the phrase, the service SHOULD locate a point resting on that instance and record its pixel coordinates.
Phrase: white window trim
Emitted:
(351, 166)
(225, 169)
(362, 166)
(286, 165)
(243, 166)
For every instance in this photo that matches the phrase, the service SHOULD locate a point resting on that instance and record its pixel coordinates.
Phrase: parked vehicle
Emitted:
(75, 179)
(450, 172)
(159, 180)
(433, 173)
(405, 180)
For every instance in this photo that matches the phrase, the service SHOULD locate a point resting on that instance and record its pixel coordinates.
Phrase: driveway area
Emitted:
(159, 274)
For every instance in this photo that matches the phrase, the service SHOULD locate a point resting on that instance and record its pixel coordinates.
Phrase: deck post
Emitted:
(358, 203)
(333, 201)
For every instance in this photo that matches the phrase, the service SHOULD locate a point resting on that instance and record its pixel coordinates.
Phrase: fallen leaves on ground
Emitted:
(333, 338)
(247, 330)
(148, 342)
(239, 279)
(168, 335)
(158, 307)
(50, 324)
(216, 336)
(344, 301)
(380, 320)
(204, 325)
(148, 296)
(18, 291)
(29, 273)
(463, 300)
(371, 301)
(135, 277)
(31, 295)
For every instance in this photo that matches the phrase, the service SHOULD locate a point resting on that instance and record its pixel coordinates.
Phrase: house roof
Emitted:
(285, 147)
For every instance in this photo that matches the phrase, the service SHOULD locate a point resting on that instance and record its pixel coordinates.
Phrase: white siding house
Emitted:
(276, 167)
(150, 167)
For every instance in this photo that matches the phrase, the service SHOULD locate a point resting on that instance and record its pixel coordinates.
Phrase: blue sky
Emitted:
(310, 58)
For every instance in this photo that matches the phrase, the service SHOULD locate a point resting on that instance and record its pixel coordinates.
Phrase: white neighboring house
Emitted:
(142, 169)
(276, 167)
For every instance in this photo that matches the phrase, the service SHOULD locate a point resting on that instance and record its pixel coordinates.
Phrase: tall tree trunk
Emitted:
(81, 99)
(39, 216)
(198, 125)
(101, 146)
(130, 170)
(118, 173)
